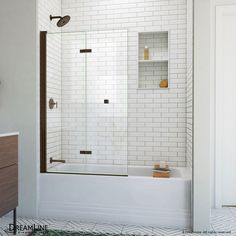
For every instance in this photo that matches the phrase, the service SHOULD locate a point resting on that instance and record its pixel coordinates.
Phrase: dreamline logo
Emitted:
(21, 228)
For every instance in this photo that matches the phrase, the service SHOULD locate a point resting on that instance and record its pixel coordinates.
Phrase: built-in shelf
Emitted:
(164, 89)
(153, 60)
(156, 68)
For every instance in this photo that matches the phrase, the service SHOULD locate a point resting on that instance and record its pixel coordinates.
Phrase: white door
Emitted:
(226, 101)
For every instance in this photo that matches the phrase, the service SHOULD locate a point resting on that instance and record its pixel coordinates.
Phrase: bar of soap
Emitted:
(163, 83)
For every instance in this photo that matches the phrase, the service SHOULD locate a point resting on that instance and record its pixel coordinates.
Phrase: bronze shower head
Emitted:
(62, 20)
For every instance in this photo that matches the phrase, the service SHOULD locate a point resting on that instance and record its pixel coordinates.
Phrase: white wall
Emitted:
(204, 116)
(215, 202)
(189, 92)
(45, 9)
(18, 106)
(189, 86)
(201, 162)
(156, 118)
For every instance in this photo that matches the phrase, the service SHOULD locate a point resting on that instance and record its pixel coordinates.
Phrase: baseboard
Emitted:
(180, 218)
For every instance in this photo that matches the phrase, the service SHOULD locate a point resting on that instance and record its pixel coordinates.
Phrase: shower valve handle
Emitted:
(52, 103)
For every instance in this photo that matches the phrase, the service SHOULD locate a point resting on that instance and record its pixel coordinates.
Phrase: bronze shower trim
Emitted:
(43, 102)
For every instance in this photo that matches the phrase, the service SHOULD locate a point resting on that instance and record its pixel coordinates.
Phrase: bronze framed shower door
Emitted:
(43, 101)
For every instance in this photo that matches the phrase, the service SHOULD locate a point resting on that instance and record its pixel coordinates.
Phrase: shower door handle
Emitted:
(52, 103)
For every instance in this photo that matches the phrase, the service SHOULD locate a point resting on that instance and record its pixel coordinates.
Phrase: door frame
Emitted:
(202, 115)
(218, 118)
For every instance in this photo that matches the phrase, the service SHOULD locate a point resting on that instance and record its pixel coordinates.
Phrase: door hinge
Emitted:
(86, 152)
(85, 50)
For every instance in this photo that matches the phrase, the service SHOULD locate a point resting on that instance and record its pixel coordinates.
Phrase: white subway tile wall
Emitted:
(46, 8)
(189, 82)
(156, 118)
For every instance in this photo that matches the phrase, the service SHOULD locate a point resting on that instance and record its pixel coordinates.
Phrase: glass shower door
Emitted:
(107, 101)
(87, 79)
(66, 88)
(53, 99)
(74, 99)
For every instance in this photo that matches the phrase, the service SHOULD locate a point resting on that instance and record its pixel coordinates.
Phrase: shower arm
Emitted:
(54, 17)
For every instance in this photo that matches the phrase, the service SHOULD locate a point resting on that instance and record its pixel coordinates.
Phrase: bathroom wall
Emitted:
(18, 93)
(156, 118)
(202, 118)
(45, 9)
(189, 107)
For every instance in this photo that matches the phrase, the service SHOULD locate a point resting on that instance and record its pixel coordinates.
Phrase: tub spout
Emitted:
(60, 161)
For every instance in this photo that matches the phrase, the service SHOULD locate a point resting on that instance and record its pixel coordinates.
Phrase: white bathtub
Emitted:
(137, 199)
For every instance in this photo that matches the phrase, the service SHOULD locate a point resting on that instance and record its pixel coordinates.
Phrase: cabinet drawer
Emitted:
(8, 189)
(8, 151)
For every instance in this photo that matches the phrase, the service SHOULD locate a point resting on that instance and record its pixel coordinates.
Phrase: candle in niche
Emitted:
(146, 53)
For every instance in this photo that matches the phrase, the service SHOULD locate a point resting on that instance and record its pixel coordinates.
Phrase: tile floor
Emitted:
(223, 221)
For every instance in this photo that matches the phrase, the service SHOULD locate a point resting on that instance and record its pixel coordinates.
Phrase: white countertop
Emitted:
(9, 134)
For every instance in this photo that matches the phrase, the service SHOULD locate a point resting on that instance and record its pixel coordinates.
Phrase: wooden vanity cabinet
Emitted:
(9, 175)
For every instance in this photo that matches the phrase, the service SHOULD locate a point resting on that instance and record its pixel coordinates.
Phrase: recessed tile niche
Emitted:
(156, 68)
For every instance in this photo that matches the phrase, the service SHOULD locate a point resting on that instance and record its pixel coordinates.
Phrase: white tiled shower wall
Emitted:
(156, 118)
(46, 8)
(189, 83)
